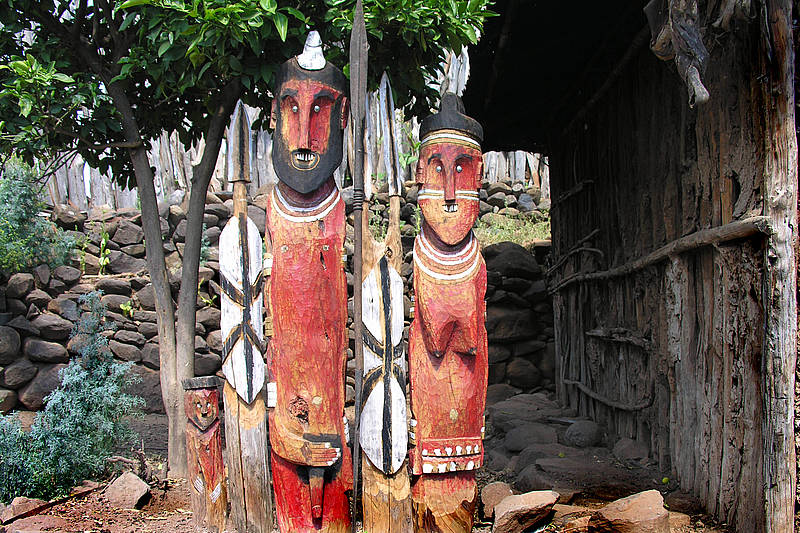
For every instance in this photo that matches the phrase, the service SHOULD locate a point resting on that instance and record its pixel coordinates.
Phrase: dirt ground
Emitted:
(169, 510)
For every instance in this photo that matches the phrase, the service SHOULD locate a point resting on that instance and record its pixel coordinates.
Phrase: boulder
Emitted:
(520, 512)
(23, 325)
(113, 286)
(66, 308)
(146, 297)
(626, 449)
(176, 197)
(220, 210)
(212, 235)
(16, 307)
(126, 352)
(509, 324)
(531, 478)
(19, 285)
(214, 341)
(499, 392)
(148, 388)
(67, 274)
(18, 374)
(583, 434)
(492, 494)
(512, 261)
(38, 297)
(128, 491)
(44, 351)
(510, 413)
(150, 356)
(41, 275)
(114, 302)
(8, 400)
(9, 344)
(498, 186)
(67, 217)
(52, 327)
(497, 373)
(46, 380)
(525, 203)
(56, 286)
(528, 433)
(129, 337)
(523, 374)
(19, 506)
(179, 235)
(128, 233)
(498, 353)
(121, 263)
(539, 450)
(209, 317)
(206, 364)
(640, 513)
(495, 460)
(148, 329)
(258, 216)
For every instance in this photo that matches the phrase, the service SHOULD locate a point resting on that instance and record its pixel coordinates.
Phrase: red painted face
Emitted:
(308, 117)
(449, 176)
(202, 406)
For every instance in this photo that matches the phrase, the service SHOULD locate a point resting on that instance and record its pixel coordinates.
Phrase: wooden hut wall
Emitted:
(667, 347)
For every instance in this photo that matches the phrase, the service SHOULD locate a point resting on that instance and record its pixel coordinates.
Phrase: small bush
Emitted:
(83, 420)
(27, 240)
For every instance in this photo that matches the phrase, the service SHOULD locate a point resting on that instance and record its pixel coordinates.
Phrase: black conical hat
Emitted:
(451, 117)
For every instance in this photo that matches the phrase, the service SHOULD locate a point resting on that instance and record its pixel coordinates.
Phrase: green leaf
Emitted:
(129, 18)
(163, 48)
(134, 3)
(25, 106)
(63, 78)
(281, 24)
(268, 5)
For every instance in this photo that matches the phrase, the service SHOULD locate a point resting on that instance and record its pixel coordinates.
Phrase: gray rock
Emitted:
(134, 250)
(19, 285)
(67, 274)
(56, 286)
(526, 434)
(512, 261)
(200, 345)
(536, 451)
(497, 199)
(147, 297)
(214, 341)
(523, 374)
(113, 286)
(498, 186)
(210, 220)
(520, 512)
(212, 235)
(531, 478)
(258, 216)
(129, 337)
(528, 347)
(507, 324)
(114, 302)
(148, 388)
(8, 400)
(640, 513)
(525, 203)
(52, 327)
(499, 392)
(126, 352)
(206, 364)
(122, 263)
(176, 197)
(583, 434)
(38, 297)
(544, 205)
(18, 374)
(151, 356)
(179, 235)
(68, 218)
(16, 307)
(44, 351)
(498, 353)
(128, 491)
(495, 460)
(626, 450)
(492, 494)
(148, 329)
(23, 325)
(9, 344)
(521, 408)
(66, 308)
(209, 317)
(220, 210)
(46, 380)
(128, 233)
(19, 506)
(41, 275)
(497, 373)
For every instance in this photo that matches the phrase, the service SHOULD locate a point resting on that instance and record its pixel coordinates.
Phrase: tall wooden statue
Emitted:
(448, 359)
(204, 443)
(383, 430)
(242, 325)
(311, 462)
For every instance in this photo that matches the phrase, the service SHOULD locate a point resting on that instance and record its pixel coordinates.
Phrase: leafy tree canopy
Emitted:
(65, 64)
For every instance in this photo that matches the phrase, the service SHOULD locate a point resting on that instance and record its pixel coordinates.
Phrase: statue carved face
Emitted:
(449, 174)
(309, 114)
(202, 407)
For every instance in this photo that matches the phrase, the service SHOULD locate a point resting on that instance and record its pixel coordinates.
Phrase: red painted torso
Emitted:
(448, 359)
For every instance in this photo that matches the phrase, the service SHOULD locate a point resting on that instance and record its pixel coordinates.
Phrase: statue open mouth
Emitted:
(304, 159)
(450, 208)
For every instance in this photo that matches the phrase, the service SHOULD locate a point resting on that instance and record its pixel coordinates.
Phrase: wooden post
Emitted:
(383, 431)
(780, 205)
(448, 353)
(242, 326)
(204, 452)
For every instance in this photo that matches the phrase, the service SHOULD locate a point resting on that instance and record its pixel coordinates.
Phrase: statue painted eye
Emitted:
(439, 168)
(198, 405)
(316, 109)
(459, 168)
(294, 108)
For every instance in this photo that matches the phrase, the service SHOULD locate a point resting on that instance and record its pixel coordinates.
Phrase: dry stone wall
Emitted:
(38, 309)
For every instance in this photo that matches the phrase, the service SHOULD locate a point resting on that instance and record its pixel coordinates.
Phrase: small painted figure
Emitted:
(448, 357)
(308, 297)
(204, 443)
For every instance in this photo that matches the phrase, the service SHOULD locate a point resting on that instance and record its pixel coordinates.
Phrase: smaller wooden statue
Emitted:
(204, 443)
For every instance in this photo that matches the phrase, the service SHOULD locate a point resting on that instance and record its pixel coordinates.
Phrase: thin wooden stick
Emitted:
(612, 403)
(699, 239)
(573, 191)
(563, 258)
(621, 335)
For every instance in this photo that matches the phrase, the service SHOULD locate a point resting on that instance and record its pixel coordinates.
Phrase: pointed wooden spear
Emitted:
(358, 92)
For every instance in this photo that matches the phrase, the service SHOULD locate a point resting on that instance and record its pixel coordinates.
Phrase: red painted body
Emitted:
(311, 463)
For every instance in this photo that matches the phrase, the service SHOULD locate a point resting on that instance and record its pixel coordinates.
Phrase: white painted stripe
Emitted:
(445, 136)
(448, 277)
(444, 258)
(320, 205)
(310, 218)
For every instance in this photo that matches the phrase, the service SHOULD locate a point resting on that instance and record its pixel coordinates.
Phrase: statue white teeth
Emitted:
(312, 58)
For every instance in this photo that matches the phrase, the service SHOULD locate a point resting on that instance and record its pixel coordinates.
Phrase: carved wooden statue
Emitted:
(307, 290)
(204, 443)
(242, 326)
(448, 358)
(383, 431)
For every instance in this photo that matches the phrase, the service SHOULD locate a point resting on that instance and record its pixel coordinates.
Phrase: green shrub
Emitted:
(84, 419)
(27, 240)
